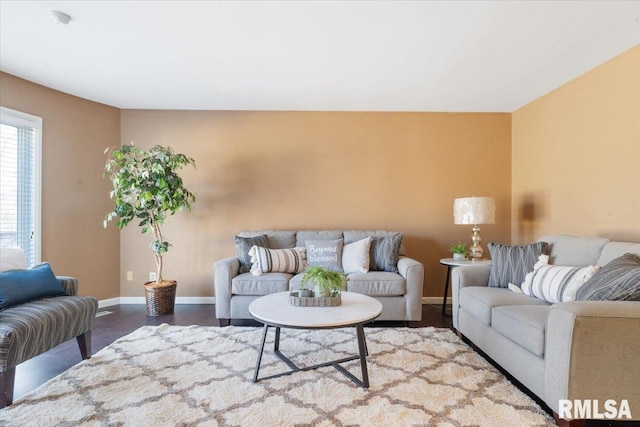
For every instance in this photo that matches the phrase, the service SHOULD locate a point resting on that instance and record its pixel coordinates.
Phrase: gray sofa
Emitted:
(568, 350)
(400, 293)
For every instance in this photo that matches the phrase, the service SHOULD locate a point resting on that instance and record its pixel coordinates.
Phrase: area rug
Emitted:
(202, 376)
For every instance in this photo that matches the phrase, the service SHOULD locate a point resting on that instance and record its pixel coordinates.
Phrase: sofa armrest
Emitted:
(591, 352)
(223, 272)
(463, 276)
(413, 273)
(70, 284)
(467, 275)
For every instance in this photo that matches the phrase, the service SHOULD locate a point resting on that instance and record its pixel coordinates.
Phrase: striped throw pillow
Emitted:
(265, 260)
(619, 280)
(557, 283)
(510, 264)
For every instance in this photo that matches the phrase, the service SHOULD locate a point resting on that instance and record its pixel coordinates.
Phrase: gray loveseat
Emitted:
(400, 293)
(568, 350)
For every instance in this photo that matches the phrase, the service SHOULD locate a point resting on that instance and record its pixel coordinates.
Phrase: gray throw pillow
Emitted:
(385, 253)
(619, 280)
(326, 253)
(244, 245)
(510, 264)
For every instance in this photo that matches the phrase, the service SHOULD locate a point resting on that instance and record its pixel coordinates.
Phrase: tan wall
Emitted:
(320, 170)
(74, 195)
(576, 156)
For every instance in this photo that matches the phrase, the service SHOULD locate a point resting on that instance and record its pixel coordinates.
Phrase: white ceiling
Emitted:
(313, 55)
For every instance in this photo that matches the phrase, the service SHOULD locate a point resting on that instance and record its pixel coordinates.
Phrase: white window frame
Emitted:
(18, 118)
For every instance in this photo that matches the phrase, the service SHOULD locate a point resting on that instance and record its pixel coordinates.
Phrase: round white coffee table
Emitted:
(274, 310)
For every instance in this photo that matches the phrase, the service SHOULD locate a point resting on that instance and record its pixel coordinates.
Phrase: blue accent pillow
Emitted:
(20, 286)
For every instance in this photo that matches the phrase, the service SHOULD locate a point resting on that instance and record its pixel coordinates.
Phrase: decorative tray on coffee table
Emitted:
(298, 301)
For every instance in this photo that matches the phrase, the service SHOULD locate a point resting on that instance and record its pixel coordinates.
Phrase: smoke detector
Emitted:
(60, 17)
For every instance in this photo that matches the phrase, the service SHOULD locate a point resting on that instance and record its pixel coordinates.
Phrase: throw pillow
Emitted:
(510, 264)
(525, 287)
(244, 245)
(325, 253)
(385, 253)
(619, 280)
(355, 256)
(265, 260)
(20, 286)
(556, 283)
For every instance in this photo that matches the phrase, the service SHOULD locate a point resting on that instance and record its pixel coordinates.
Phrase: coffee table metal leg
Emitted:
(276, 341)
(363, 352)
(264, 339)
(362, 347)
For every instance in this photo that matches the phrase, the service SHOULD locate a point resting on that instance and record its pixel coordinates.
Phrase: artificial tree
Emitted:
(147, 187)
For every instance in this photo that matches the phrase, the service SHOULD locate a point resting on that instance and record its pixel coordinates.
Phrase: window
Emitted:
(20, 182)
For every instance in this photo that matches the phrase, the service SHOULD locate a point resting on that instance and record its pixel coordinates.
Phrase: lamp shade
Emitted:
(474, 210)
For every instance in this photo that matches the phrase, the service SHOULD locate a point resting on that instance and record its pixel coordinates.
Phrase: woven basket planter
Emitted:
(160, 298)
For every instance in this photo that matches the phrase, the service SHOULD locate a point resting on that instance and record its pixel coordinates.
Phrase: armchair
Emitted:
(32, 328)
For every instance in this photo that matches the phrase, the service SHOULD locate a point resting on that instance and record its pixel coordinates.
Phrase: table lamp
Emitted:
(474, 210)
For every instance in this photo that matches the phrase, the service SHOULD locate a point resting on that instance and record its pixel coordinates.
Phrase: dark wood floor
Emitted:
(124, 319)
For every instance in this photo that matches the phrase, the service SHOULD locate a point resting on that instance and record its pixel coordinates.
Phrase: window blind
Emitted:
(19, 182)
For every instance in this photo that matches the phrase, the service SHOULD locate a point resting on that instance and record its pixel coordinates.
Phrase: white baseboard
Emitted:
(140, 300)
(108, 302)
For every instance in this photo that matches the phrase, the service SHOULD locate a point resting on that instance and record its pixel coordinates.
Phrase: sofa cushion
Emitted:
(325, 253)
(34, 327)
(573, 250)
(278, 239)
(480, 300)
(244, 245)
(355, 256)
(385, 252)
(510, 264)
(268, 283)
(613, 250)
(304, 235)
(619, 280)
(522, 324)
(296, 281)
(377, 283)
(265, 260)
(20, 286)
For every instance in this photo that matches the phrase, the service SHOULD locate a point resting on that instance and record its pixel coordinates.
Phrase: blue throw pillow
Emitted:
(19, 286)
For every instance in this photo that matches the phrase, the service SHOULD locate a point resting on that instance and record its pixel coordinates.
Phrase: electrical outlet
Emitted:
(129, 276)
(152, 276)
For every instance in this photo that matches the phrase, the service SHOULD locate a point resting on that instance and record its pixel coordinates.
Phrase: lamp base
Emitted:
(475, 252)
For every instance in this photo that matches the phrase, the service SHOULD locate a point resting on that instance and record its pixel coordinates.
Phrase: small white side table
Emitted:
(450, 262)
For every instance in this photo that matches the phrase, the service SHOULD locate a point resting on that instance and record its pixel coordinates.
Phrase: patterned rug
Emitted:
(202, 376)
